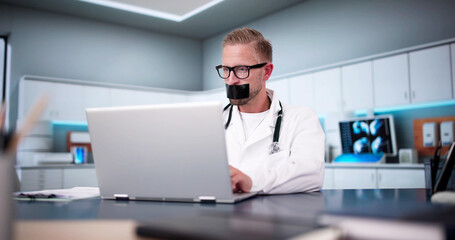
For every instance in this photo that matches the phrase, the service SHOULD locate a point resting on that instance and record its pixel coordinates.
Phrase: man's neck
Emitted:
(260, 103)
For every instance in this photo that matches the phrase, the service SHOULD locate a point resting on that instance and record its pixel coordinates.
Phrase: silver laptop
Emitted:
(169, 152)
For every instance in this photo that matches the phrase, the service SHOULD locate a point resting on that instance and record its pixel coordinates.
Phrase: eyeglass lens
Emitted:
(239, 72)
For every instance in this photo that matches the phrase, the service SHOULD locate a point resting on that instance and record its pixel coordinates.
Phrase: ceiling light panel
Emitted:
(174, 10)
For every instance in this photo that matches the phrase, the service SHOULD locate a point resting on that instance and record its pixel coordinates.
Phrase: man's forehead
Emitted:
(239, 51)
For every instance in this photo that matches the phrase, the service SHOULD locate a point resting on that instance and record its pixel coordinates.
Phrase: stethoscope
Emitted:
(274, 148)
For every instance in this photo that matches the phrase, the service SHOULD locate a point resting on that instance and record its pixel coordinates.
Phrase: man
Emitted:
(266, 152)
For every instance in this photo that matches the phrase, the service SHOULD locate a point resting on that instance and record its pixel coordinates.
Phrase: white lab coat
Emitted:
(298, 167)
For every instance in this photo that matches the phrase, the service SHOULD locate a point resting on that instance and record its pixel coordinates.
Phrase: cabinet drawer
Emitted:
(39, 179)
(401, 178)
(354, 178)
(79, 178)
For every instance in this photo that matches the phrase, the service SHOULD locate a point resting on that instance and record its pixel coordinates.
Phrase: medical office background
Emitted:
(324, 56)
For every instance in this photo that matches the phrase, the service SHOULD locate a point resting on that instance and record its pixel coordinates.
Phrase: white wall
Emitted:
(57, 45)
(321, 32)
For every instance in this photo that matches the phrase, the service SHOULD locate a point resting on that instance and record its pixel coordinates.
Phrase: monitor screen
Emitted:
(369, 135)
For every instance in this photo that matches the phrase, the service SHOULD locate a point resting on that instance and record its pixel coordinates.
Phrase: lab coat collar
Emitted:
(274, 107)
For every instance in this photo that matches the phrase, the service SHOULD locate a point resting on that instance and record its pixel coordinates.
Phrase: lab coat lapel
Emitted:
(236, 127)
(266, 128)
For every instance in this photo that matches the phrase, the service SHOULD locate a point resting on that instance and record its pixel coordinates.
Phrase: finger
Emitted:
(242, 182)
(242, 186)
(232, 171)
(235, 183)
(234, 187)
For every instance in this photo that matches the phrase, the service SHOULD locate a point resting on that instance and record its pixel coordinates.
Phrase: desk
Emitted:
(283, 215)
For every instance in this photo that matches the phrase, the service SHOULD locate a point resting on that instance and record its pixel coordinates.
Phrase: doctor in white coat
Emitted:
(272, 147)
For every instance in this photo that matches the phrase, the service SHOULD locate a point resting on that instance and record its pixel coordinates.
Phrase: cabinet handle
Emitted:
(405, 95)
(379, 177)
(414, 95)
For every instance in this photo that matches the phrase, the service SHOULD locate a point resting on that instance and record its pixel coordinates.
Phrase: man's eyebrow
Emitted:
(243, 65)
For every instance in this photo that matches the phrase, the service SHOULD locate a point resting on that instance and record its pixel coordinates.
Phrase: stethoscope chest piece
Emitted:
(274, 148)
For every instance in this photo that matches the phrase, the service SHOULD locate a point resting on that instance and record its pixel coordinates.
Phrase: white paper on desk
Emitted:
(64, 194)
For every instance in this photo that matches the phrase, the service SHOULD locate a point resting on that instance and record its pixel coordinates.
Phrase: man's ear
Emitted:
(268, 69)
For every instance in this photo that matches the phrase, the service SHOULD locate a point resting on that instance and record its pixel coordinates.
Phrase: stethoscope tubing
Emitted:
(276, 132)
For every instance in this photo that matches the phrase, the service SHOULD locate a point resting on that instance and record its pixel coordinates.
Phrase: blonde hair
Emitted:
(245, 35)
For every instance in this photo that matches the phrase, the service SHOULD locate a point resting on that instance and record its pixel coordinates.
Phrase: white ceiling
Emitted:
(221, 17)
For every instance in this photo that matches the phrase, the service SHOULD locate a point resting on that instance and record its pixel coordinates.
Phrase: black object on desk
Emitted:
(440, 175)
(443, 180)
(223, 227)
(435, 164)
(35, 196)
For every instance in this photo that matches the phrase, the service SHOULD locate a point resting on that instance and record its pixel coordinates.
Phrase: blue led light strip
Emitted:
(414, 106)
(69, 123)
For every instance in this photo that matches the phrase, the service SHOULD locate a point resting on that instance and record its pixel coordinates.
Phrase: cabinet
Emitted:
(41, 178)
(430, 74)
(281, 88)
(197, 97)
(160, 98)
(354, 178)
(301, 90)
(327, 91)
(391, 81)
(79, 178)
(127, 97)
(64, 100)
(407, 178)
(218, 96)
(178, 98)
(328, 179)
(357, 86)
(68, 101)
(368, 176)
(415, 77)
(94, 97)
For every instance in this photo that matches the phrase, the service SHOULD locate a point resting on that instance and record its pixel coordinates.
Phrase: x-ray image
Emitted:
(359, 126)
(375, 125)
(366, 136)
(361, 145)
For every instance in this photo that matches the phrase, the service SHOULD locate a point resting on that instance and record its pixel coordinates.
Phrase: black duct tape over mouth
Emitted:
(238, 91)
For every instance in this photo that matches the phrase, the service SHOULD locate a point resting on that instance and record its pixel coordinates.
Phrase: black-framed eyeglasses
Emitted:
(241, 72)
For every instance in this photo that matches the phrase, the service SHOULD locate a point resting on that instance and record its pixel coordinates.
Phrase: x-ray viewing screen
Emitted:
(368, 135)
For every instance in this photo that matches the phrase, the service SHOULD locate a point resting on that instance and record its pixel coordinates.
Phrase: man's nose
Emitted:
(232, 79)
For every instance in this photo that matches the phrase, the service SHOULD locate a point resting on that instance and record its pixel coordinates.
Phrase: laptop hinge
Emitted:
(207, 199)
(121, 197)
